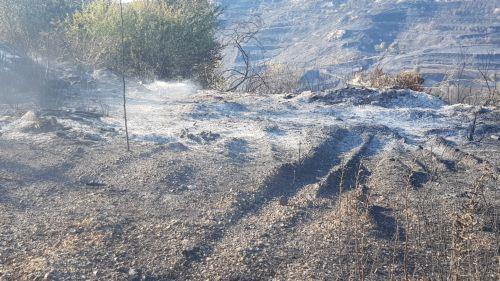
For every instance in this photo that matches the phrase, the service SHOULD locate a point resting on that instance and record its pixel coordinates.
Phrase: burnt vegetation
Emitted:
(351, 202)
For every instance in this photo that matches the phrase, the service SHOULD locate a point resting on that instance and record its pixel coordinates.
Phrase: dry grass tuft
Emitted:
(409, 80)
(378, 79)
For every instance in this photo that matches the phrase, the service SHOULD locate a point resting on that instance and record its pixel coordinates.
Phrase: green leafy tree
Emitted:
(163, 38)
(29, 25)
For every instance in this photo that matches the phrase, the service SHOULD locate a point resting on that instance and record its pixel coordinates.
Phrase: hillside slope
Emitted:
(342, 36)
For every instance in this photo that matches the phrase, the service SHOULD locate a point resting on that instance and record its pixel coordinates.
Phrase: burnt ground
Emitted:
(351, 184)
(77, 209)
(343, 185)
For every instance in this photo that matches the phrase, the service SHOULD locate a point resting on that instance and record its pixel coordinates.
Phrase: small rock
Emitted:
(95, 183)
(132, 272)
(75, 231)
(283, 201)
(177, 146)
(495, 137)
(209, 136)
(92, 137)
(49, 275)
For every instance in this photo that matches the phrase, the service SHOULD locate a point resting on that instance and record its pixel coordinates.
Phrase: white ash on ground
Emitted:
(233, 186)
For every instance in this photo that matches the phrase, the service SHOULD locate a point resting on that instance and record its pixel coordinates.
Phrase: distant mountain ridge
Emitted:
(343, 36)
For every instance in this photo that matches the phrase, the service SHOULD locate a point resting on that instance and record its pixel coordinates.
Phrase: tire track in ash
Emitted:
(268, 253)
(447, 152)
(343, 177)
(261, 238)
(277, 183)
(261, 223)
(258, 244)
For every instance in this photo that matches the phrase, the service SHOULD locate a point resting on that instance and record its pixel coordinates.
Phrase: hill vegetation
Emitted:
(162, 39)
(29, 26)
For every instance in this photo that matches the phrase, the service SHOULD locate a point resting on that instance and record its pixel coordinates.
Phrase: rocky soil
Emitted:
(348, 184)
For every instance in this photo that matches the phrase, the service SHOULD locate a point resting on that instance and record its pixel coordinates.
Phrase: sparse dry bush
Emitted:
(379, 79)
(433, 238)
(475, 84)
(272, 78)
(281, 78)
(410, 80)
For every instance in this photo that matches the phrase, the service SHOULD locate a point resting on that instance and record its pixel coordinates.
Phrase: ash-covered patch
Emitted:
(237, 149)
(204, 137)
(33, 122)
(274, 130)
(262, 191)
(387, 98)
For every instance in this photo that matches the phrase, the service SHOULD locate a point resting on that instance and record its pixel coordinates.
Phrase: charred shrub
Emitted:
(409, 80)
(379, 79)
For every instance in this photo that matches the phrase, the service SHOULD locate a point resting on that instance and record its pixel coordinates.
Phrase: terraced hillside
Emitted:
(342, 36)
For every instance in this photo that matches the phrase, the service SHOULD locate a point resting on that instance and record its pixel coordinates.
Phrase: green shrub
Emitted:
(28, 25)
(163, 38)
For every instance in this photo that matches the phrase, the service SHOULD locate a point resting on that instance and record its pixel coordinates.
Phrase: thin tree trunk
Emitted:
(123, 77)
